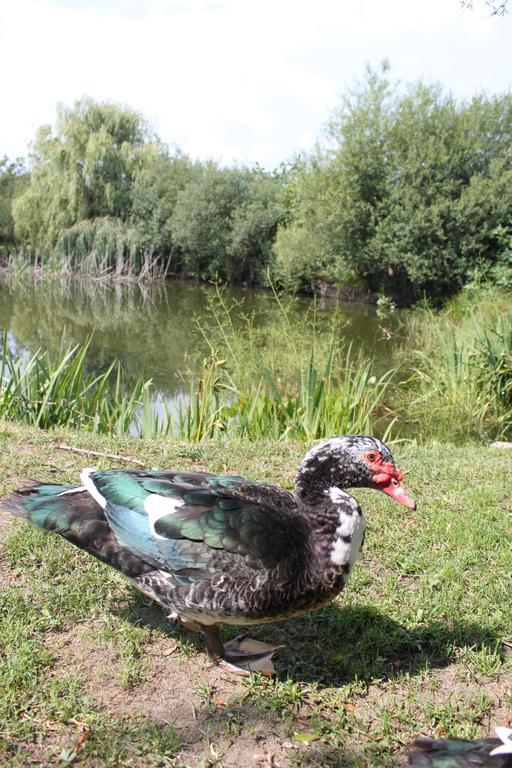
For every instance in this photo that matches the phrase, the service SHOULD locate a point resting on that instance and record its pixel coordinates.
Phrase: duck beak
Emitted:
(395, 490)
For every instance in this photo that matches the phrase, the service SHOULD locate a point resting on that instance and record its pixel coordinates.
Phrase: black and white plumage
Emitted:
(214, 549)
(460, 753)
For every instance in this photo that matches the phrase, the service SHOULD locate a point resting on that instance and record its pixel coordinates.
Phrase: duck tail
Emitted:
(48, 505)
(74, 514)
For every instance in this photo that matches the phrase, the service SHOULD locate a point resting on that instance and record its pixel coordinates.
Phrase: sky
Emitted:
(245, 81)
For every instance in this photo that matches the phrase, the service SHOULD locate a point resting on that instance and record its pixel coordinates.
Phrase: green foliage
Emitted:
(303, 246)
(225, 221)
(105, 196)
(202, 212)
(412, 192)
(101, 192)
(461, 368)
(156, 184)
(284, 383)
(13, 181)
(410, 196)
(324, 401)
(82, 170)
(49, 394)
(299, 263)
(253, 227)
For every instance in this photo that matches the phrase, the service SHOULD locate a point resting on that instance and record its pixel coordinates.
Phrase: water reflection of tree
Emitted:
(139, 325)
(150, 324)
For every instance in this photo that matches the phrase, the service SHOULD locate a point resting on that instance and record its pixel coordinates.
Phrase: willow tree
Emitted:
(81, 170)
(13, 181)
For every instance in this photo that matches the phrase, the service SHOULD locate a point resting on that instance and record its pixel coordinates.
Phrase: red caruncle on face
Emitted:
(387, 478)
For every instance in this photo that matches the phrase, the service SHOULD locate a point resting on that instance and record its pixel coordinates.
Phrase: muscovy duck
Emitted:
(459, 753)
(213, 549)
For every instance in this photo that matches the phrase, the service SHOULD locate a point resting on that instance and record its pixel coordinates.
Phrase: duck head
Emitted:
(353, 461)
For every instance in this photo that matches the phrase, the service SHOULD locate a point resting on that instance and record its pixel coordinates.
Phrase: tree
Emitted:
(254, 225)
(157, 182)
(13, 180)
(410, 195)
(224, 223)
(82, 170)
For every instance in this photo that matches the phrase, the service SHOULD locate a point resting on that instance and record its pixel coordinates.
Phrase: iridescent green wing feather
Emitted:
(72, 512)
(454, 753)
(227, 514)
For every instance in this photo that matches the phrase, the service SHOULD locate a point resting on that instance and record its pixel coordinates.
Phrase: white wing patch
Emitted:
(91, 488)
(157, 506)
(340, 553)
(505, 734)
(79, 489)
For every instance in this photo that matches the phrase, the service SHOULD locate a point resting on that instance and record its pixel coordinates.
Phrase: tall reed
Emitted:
(325, 402)
(289, 380)
(101, 247)
(45, 393)
(460, 368)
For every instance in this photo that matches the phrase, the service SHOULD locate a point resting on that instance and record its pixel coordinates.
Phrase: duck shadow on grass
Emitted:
(336, 645)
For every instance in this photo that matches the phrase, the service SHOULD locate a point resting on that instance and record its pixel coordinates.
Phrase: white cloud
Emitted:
(246, 80)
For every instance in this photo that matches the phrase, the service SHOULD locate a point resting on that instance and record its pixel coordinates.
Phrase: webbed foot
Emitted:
(241, 655)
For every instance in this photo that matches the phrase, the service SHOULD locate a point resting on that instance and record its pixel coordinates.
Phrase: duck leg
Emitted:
(241, 655)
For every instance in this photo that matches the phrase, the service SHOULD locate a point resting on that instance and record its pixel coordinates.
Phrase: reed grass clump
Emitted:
(325, 401)
(42, 392)
(460, 368)
(101, 247)
(296, 378)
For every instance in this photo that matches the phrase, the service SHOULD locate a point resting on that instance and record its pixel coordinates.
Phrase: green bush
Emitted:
(460, 368)
(411, 193)
(224, 223)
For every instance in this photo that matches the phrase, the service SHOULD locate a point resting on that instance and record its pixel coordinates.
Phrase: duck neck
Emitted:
(327, 466)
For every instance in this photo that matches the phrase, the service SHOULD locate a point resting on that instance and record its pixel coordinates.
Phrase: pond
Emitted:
(156, 327)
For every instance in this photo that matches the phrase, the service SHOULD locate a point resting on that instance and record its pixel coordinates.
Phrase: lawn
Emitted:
(91, 674)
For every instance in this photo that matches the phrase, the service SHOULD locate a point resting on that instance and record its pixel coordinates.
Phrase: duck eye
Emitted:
(394, 482)
(371, 457)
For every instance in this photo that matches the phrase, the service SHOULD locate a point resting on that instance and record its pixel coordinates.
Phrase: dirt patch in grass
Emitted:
(5, 525)
(23, 448)
(209, 708)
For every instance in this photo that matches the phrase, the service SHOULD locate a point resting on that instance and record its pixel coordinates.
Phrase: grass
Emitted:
(460, 369)
(46, 393)
(91, 674)
(342, 396)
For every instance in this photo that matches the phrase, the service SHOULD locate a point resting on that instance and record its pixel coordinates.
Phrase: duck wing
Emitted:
(197, 524)
(458, 753)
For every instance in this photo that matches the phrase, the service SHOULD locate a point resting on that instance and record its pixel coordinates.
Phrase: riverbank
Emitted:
(92, 675)
(192, 363)
(322, 290)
